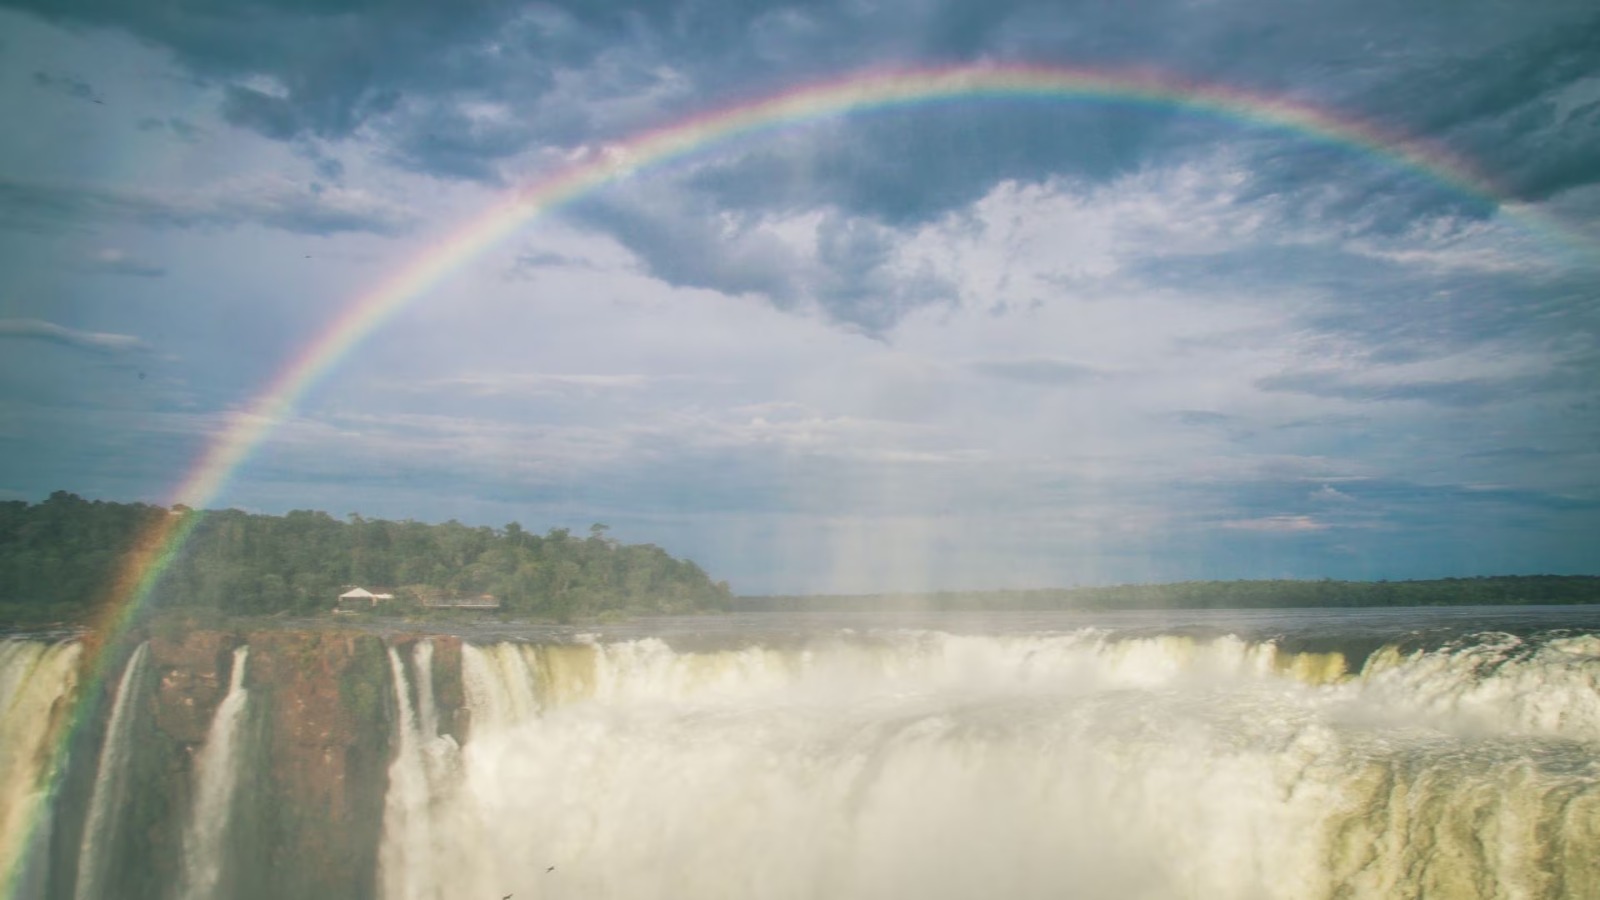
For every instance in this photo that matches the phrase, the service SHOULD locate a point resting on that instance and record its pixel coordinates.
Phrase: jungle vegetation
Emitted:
(61, 558)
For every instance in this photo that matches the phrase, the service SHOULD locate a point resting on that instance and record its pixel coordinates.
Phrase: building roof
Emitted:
(357, 594)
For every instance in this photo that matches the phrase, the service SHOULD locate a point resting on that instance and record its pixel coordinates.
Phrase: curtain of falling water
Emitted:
(941, 766)
(110, 783)
(216, 772)
(414, 852)
(37, 681)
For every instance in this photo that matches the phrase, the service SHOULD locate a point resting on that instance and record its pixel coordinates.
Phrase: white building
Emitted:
(356, 597)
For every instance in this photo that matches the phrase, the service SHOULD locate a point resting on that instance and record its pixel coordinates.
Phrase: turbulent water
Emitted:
(1305, 754)
(931, 765)
(413, 853)
(36, 680)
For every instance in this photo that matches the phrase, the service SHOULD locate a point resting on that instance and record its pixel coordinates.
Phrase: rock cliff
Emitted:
(312, 763)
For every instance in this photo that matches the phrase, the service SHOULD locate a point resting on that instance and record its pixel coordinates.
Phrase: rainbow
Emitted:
(651, 150)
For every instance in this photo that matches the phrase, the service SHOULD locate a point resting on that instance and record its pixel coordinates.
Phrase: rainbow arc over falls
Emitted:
(860, 92)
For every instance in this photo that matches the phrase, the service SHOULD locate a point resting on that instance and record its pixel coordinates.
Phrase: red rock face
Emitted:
(325, 730)
(308, 810)
(448, 694)
(192, 675)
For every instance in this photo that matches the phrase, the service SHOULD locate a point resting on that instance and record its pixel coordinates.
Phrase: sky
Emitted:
(985, 342)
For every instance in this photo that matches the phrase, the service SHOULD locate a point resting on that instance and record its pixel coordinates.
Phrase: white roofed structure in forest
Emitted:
(358, 596)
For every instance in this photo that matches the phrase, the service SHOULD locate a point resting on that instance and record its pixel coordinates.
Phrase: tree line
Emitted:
(60, 558)
(1271, 594)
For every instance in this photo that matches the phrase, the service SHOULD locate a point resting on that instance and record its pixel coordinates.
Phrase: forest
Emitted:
(59, 560)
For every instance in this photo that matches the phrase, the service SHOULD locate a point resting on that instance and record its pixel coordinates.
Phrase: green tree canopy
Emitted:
(59, 560)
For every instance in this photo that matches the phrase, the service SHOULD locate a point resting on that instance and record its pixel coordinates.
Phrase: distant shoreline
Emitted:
(1487, 590)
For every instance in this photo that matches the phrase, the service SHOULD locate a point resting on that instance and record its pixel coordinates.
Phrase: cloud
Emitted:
(112, 261)
(274, 202)
(1095, 318)
(1202, 417)
(545, 259)
(854, 270)
(1510, 92)
(1048, 372)
(336, 64)
(76, 88)
(180, 127)
(1524, 110)
(525, 384)
(1464, 393)
(1277, 525)
(1330, 494)
(60, 335)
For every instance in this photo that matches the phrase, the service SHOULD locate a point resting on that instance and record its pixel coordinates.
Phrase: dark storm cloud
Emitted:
(1485, 80)
(683, 241)
(683, 246)
(442, 140)
(76, 88)
(339, 61)
(856, 281)
(1525, 111)
(569, 74)
(907, 166)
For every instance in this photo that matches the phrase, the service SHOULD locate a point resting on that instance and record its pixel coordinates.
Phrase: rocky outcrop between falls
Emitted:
(312, 763)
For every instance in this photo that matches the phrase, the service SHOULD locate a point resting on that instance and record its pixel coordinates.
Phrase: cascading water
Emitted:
(499, 685)
(1234, 755)
(110, 781)
(930, 765)
(216, 773)
(37, 680)
(415, 853)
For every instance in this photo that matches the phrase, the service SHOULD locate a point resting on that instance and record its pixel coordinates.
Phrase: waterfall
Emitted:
(1085, 764)
(414, 852)
(110, 781)
(37, 680)
(880, 762)
(216, 772)
(499, 685)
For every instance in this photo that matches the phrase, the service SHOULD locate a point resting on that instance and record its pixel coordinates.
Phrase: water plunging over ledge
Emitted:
(1294, 754)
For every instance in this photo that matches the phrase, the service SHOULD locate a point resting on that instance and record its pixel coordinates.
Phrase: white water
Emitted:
(37, 681)
(415, 849)
(928, 765)
(110, 782)
(216, 773)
